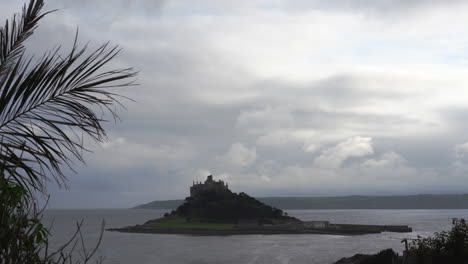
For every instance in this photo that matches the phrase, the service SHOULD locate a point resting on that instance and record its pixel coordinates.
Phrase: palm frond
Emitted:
(45, 106)
(15, 32)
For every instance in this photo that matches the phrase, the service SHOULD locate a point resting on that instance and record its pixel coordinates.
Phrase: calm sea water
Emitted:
(265, 249)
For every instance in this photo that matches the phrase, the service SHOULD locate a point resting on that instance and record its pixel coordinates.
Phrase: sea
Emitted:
(130, 248)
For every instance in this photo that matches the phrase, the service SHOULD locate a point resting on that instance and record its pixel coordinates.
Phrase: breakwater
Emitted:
(351, 228)
(303, 228)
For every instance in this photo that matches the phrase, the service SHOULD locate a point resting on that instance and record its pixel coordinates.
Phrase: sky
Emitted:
(275, 97)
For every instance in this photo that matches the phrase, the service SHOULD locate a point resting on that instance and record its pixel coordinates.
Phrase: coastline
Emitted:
(333, 229)
(221, 232)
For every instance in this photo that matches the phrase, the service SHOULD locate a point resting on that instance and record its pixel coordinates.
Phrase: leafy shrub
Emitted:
(46, 106)
(22, 235)
(444, 247)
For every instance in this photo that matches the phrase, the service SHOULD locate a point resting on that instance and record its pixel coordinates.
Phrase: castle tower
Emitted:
(209, 178)
(208, 185)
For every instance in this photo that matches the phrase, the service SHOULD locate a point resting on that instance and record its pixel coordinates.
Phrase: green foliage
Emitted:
(179, 222)
(444, 247)
(227, 207)
(46, 106)
(22, 235)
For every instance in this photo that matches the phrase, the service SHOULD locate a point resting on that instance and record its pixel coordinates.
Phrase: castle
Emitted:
(208, 185)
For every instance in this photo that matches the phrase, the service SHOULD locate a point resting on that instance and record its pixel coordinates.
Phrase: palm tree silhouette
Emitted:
(48, 104)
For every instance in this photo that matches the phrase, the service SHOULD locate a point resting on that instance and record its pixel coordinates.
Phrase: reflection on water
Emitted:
(284, 249)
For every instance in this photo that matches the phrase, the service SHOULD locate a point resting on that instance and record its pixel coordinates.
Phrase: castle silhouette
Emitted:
(208, 185)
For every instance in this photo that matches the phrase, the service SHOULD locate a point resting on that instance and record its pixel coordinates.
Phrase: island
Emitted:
(213, 209)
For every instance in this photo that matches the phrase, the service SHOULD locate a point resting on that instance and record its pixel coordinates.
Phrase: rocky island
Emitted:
(213, 209)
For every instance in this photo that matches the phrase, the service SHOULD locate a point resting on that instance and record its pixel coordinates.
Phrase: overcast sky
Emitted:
(276, 97)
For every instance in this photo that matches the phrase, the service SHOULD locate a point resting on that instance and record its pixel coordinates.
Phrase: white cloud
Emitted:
(121, 152)
(276, 138)
(352, 147)
(311, 148)
(388, 173)
(265, 119)
(239, 155)
(281, 138)
(387, 160)
(461, 150)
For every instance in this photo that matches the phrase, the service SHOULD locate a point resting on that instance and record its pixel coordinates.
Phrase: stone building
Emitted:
(208, 185)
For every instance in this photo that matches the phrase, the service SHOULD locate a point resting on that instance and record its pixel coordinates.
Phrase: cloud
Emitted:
(267, 118)
(271, 95)
(461, 150)
(121, 152)
(388, 160)
(352, 147)
(459, 165)
(311, 148)
(239, 155)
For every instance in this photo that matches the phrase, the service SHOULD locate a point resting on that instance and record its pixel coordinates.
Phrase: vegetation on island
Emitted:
(175, 221)
(227, 207)
(47, 106)
(211, 203)
(212, 209)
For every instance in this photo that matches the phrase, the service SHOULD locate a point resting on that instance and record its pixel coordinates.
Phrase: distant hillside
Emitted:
(165, 204)
(423, 201)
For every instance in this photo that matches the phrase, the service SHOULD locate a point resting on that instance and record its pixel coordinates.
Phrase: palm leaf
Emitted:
(46, 106)
(15, 32)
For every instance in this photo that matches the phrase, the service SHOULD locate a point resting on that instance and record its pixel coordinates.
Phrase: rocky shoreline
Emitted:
(332, 229)
(222, 232)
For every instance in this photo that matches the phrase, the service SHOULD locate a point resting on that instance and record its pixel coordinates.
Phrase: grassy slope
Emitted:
(178, 222)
